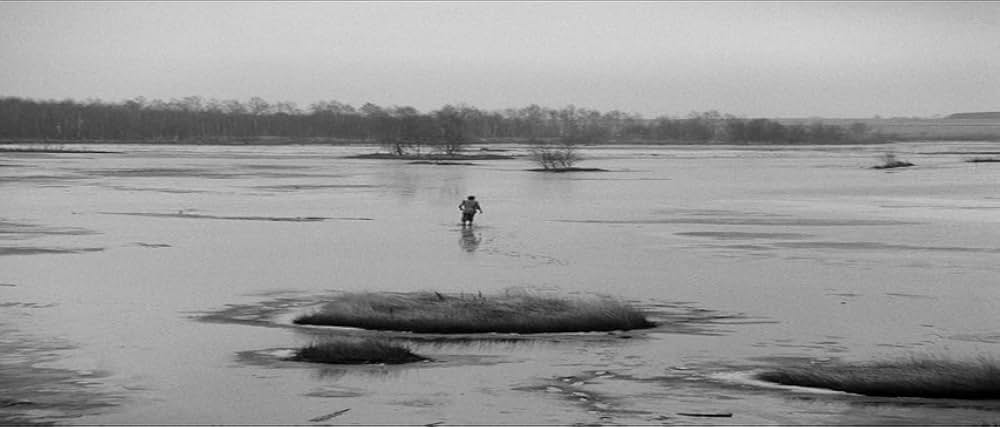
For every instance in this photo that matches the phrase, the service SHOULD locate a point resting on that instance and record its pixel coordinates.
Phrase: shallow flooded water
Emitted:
(155, 285)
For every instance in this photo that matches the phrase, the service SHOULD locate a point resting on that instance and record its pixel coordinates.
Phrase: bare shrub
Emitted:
(890, 161)
(555, 156)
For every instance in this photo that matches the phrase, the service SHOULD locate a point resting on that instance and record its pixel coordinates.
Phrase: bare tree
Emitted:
(402, 128)
(452, 123)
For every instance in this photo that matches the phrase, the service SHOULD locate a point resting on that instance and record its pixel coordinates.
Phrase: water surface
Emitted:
(749, 257)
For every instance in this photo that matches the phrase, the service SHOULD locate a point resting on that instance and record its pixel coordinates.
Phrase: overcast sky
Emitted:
(754, 59)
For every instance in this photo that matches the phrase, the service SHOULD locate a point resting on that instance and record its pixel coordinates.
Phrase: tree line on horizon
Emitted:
(195, 119)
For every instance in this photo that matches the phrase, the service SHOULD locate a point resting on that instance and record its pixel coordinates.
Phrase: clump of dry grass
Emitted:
(353, 352)
(432, 312)
(915, 377)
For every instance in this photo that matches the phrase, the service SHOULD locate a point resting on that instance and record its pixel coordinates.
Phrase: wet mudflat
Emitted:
(156, 285)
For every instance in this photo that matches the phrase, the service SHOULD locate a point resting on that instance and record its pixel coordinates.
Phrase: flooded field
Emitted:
(156, 285)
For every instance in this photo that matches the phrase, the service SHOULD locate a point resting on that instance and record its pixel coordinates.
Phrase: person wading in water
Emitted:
(469, 207)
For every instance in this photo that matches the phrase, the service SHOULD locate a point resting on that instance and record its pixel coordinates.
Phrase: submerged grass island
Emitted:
(355, 352)
(917, 377)
(436, 313)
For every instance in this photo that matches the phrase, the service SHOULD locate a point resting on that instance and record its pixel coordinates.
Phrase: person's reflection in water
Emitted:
(470, 240)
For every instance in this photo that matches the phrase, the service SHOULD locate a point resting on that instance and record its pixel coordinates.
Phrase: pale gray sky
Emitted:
(757, 59)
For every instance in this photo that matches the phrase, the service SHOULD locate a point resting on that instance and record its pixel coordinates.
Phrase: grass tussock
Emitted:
(432, 312)
(349, 352)
(890, 161)
(927, 377)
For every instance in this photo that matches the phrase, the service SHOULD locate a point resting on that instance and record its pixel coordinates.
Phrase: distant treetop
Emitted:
(400, 128)
(992, 115)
